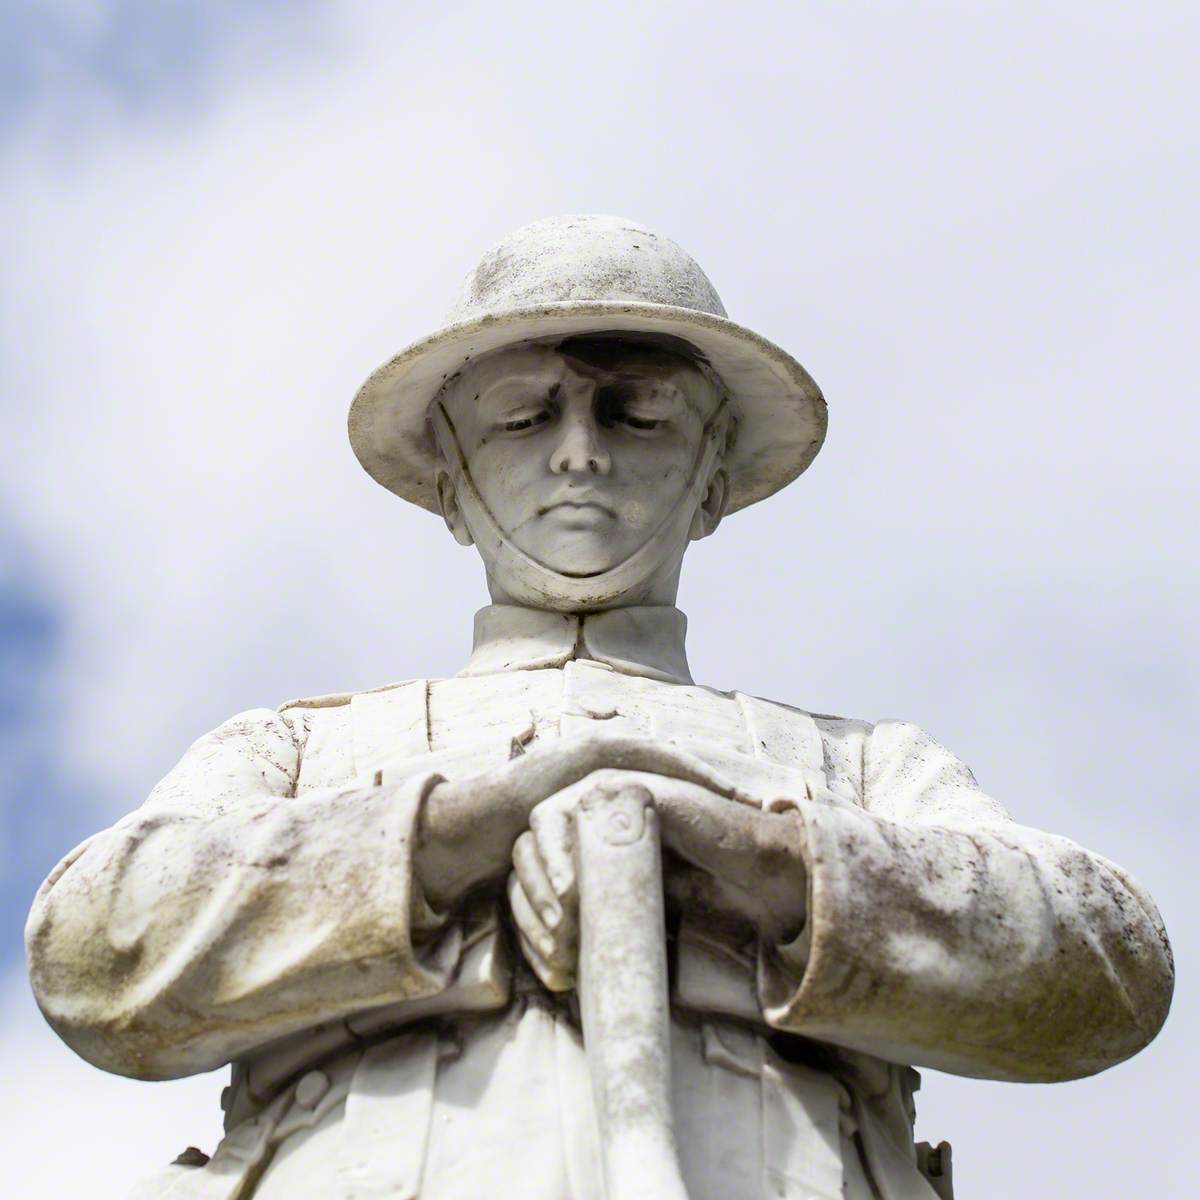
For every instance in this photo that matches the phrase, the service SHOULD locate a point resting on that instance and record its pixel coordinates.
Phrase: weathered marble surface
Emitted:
(390, 912)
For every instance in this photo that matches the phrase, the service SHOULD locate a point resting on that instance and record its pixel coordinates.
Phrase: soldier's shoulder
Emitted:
(837, 726)
(828, 723)
(341, 699)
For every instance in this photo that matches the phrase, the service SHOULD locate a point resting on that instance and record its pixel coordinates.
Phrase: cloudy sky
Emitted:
(974, 222)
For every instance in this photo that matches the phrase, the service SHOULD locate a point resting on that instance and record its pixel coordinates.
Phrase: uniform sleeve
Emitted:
(944, 934)
(228, 910)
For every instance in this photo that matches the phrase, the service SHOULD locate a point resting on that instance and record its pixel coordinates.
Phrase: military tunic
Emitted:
(261, 909)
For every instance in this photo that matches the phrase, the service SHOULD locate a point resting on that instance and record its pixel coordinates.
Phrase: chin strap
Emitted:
(535, 585)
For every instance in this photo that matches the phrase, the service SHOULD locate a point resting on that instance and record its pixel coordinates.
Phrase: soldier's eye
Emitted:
(529, 422)
(616, 405)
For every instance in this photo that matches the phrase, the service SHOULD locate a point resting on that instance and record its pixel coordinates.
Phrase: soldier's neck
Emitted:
(647, 640)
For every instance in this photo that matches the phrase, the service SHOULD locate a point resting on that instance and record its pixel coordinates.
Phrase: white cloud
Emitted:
(972, 227)
(71, 1130)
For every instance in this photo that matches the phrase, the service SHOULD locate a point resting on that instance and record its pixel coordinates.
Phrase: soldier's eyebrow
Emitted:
(534, 384)
(653, 391)
(667, 388)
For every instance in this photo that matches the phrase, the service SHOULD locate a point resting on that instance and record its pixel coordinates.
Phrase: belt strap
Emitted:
(896, 1173)
(802, 1150)
(800, 1115)
(244, 1150)
(386, 1129)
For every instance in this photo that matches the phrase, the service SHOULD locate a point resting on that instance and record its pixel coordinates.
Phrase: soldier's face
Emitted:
(581, 459)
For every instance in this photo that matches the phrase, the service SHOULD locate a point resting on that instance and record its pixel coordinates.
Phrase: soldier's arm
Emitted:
(468, 827)
(942, 933)
(228, 910)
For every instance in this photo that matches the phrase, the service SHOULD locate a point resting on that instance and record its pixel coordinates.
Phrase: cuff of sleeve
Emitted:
(782, 965)
(415, 947)
(792, 976)
(426, 921)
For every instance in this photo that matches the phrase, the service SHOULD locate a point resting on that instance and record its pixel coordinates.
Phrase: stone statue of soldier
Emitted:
(567, 925)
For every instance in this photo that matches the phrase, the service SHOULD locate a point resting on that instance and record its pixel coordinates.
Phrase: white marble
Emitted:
(567, 924)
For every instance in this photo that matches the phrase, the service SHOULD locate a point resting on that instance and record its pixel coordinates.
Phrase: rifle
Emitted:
(623, 992)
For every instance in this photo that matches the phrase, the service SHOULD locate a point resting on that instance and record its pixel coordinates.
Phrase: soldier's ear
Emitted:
(712, 508)
(452, 513)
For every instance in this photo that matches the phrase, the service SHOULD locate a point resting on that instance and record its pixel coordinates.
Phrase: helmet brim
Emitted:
(781, 412)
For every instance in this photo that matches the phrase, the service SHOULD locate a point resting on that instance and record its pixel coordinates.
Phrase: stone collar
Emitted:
(645, 641)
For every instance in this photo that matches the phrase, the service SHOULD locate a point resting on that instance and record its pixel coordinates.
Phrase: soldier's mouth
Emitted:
(582, 504)
(579, 516)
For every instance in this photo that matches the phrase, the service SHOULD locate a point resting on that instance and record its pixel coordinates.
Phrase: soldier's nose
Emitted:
(579, 449)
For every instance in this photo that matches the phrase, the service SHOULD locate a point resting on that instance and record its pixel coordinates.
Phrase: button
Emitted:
(311, 1088)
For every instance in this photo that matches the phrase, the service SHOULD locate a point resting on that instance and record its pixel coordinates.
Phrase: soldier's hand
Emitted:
(745, 861)
(468, 827)
(543, 895)
(738, 860)
(732, 861)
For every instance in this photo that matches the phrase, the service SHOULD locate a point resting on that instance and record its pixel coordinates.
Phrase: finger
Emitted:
(557, 979)
(736, 841)
(760, 856)
(553, 825)
(535, 881)
(531, 777)
(701, 827)
(549, 948)
(553, 960)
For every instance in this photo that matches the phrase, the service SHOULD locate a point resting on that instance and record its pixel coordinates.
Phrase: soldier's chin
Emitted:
(577, 553)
